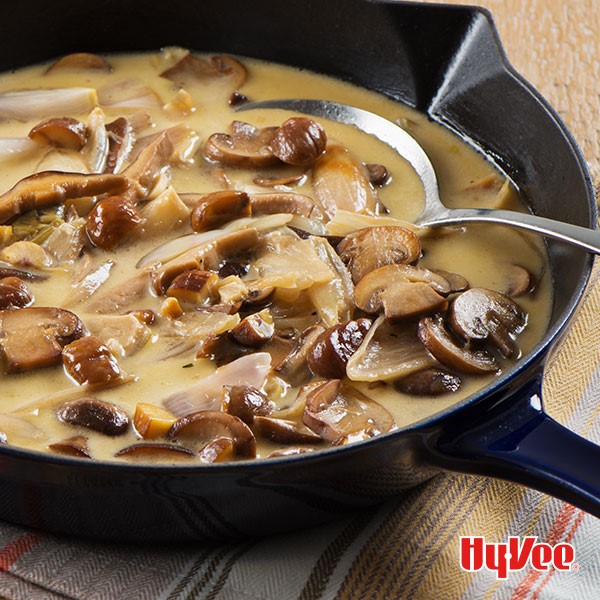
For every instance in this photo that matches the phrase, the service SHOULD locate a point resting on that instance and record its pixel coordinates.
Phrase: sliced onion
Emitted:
(11, 147)
(95, 150)
(36, 104)
(129, 93)
(388, 352)
(177, 246)
(206, 394)
(345, 222)
(17, 427)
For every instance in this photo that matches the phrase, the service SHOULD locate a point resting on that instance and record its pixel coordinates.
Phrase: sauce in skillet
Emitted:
(314, 347)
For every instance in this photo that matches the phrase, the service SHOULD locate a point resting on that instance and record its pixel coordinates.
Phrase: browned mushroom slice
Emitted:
(457, 282)
(282, 202)
(191, 70)
(388, 352)
(80, 61)
(334, 347)
(6, 271)
(299, 141)
(215, 209)
(148, 451)
(368, 249)
(429, 382)
(112, 220)
(246, 402)
(286, 180)
(438, 340)
(193, 286)
(283, 452)
(340, 183)
(254, 330)
(61, 132)
(481, 314)
(340, 413)
(89, 361)
(222, 350)
(14, 293)
(246, 146)
(73, 446)
(48, 188)
(294, 369)
(378, 174)
(519, 281)
(120, 143)
(284, 431)
(400, 298)
(93, 413)
(205, 426)
(33, 337)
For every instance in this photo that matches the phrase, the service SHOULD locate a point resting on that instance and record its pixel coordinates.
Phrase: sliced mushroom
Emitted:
(246, 402)
(294, 369)
(192, 70)
(221, 350)
(519, 281)
(334, 347)
(340, 413)
(439, 341)
(95, 151)
(14, 293)
(93, 413)
(378, 174)
(6, 271)
(194, 286)
(111, 221)
(429, 382)
(486, 315)
(26, 254)
(286, 180)
(389, 289)
(34, 337)
(123, 334)
(457, 282)
(340, 183)
(149, 451)
(217, 208)
(80, 61)
(73, 446)
(299, 141)
(61, 132)
(283, 431)
(368, 249)
(388, 352)
(246, 146)
(283, 202)
(254, 330)
(48, 188)
(205, 426)
(88, 361)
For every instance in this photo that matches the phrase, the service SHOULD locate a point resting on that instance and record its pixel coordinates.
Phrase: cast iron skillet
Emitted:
(445, 61)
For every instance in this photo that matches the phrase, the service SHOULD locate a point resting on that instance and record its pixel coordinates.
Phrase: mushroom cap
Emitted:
(433, 381)
(370, 248)
(150, 451)
(246, 146)
(217, 208)
(207, 425)
(246, 402)
(340, 413)
(34, 337)
(403, 292)
(482, 314)
(438, 340)
(299, 141)
(283, 202)
(95, 414)
(284, 431)
(80, 61)
(88, 360)
(193, 69)
(61, 132)
(14, 293)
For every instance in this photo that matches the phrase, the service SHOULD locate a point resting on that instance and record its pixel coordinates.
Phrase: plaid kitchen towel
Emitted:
(407, 548)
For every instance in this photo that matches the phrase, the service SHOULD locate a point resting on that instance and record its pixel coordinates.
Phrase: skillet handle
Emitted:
(521, 443)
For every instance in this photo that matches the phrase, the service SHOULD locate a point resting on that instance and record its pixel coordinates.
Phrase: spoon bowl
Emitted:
(435, 213)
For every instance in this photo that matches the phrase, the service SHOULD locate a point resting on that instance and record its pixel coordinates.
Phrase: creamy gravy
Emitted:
(483, 254)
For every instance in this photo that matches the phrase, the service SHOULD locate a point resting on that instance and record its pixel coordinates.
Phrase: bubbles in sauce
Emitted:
(183, 283)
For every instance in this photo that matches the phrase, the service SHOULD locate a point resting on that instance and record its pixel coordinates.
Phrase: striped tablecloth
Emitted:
(408, 548)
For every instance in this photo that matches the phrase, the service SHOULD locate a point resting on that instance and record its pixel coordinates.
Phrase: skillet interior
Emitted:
(444, 61)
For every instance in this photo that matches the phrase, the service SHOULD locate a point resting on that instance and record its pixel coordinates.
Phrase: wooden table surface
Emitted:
(555, 44)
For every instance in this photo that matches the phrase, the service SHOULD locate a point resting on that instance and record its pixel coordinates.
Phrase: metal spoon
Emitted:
(435, 214)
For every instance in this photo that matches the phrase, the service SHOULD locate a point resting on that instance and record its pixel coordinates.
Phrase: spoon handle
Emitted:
(566, 232)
